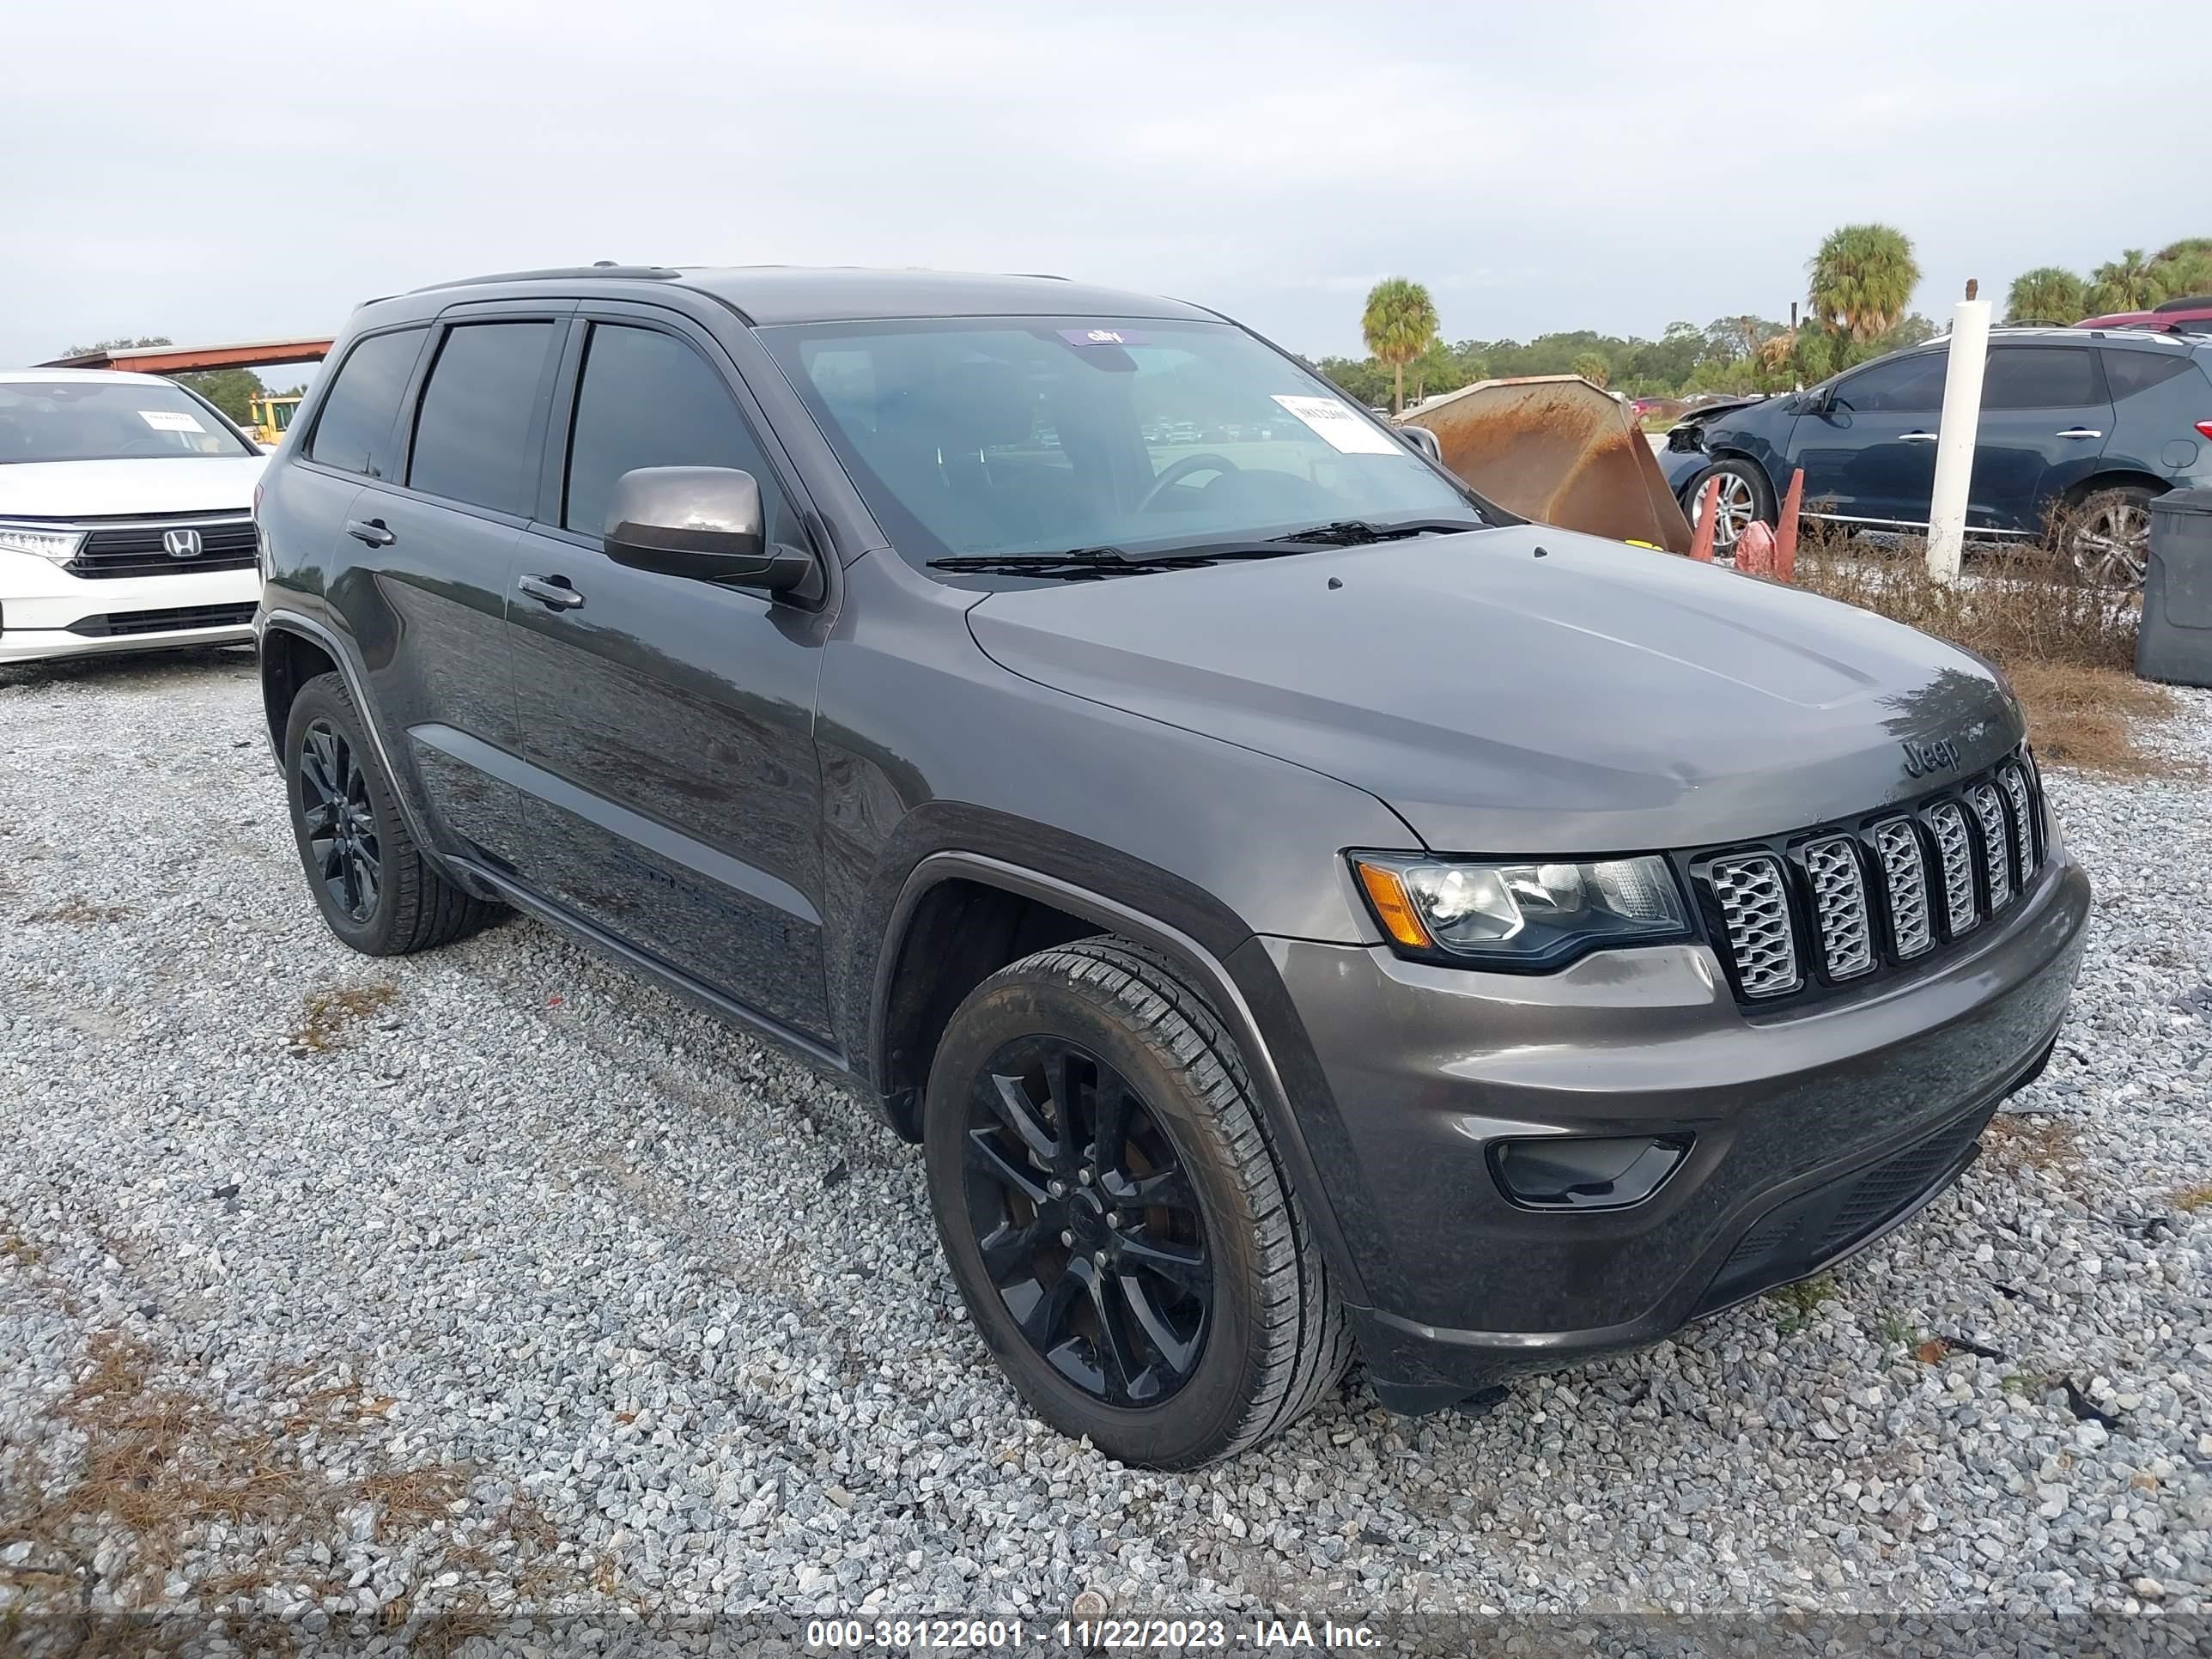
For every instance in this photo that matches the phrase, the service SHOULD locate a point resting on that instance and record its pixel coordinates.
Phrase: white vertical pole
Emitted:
(1954, 446)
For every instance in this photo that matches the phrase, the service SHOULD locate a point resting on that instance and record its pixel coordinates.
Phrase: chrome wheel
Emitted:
(1734, 508)
(2109, 541)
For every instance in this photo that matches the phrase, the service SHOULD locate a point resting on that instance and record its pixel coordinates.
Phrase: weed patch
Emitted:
(331, 1014)
(1799, 1302)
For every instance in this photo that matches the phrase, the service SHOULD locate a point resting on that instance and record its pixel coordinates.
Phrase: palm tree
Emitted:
(1592, 368)
(1863, 279)
(2185, 268)
(1399, 321)
(2125, 285)
(2046, 294)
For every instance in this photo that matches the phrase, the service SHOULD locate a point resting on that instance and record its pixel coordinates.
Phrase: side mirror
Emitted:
(1420, 438)
(703, 523)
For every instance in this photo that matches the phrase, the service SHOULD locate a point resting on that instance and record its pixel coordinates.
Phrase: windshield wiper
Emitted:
(1091, 563)
(1077, 564)
(1358, 532)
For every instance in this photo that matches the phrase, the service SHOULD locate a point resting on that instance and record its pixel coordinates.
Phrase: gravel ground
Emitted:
(335, 1288)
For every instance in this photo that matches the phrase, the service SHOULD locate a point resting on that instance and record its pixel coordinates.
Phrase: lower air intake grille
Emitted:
(1755, 906)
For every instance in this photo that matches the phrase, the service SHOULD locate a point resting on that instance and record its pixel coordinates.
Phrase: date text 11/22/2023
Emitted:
(1080, 1635)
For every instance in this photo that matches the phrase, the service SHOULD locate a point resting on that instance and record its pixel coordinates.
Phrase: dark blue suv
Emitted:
(2079, 430)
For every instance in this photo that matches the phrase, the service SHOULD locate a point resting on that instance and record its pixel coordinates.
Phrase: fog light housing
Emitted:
(1579, 1172)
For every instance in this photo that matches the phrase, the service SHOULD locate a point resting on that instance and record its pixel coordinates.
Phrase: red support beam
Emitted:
(179, 359)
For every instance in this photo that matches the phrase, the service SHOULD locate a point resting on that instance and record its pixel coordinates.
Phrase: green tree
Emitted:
(230, 390)
(1862, 278)
(1361, 378)
(2048, 293)
(1592, 366)
(118, 346)
(1399, 322)
(2122, 284)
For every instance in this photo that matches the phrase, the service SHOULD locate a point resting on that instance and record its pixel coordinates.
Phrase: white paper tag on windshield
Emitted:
(176, 419)
(1339, 427)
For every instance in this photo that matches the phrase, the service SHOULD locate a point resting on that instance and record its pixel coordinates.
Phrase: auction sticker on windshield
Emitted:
(170, 420)
(1339, 427)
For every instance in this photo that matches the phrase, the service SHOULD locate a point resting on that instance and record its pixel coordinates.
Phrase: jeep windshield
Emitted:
(107, 421)
(995, 440)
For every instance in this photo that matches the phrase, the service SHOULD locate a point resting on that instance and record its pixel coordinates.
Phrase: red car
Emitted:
(2192, 315)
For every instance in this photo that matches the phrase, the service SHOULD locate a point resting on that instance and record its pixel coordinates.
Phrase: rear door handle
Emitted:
(553, 591)
(2078, 432)
(1916, 437)
(371, 530)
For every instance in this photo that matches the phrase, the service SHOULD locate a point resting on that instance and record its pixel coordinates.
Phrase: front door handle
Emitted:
(1916, 437)
(371, 530)
(553, 591)
(2078, 432)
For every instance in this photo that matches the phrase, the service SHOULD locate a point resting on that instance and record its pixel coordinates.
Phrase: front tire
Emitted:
(1746, 494)
(1115, 1216)
(376, 890)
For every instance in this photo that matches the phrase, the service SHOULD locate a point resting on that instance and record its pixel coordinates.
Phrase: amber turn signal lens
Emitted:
(1388, 895)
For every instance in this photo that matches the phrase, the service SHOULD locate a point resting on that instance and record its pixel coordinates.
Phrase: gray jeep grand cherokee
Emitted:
(1298, 907)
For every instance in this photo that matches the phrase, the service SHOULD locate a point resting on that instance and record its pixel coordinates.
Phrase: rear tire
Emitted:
(1746, 494)
(2105, 536)
(1076, 1205)
(376, 890)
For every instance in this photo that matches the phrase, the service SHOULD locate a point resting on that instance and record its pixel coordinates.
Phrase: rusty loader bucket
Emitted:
(1554, 448)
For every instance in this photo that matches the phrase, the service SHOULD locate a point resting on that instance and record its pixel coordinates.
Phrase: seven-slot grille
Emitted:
(134, 547)
(1838, 905)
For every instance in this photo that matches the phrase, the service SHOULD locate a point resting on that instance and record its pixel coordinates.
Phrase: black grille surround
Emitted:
(174, 619)
(132, 547)
(1861, 909)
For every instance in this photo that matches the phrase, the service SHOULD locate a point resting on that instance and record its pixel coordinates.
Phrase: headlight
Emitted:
(60, 545)
(1520, 916)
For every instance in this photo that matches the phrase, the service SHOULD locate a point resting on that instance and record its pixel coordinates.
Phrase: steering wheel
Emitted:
(1181, 470)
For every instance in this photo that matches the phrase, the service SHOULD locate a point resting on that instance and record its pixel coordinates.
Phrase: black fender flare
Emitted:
(1232, 982)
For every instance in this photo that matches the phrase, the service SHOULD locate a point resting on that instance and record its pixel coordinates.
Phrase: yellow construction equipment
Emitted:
(1555, 448)
(270, 416)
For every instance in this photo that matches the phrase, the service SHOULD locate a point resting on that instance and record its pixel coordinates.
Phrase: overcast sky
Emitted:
(230, 170)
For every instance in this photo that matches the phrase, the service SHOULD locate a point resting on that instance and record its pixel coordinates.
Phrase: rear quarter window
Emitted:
(2130, 372)
(354, 430)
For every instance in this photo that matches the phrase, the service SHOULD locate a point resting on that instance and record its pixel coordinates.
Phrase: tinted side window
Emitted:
(354, 430)
(647, 400)
(2040, 377)
(1902, 383)
(472, 435)
(2130, 372)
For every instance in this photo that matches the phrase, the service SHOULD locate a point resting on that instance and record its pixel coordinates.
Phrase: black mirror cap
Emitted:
(703, 523)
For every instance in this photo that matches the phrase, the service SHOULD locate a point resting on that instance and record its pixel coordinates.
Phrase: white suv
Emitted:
(127, 516)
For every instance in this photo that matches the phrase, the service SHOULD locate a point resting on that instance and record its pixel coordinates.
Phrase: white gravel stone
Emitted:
(533, 1235)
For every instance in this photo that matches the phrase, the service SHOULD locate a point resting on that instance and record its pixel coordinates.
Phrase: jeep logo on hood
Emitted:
(1923, 758)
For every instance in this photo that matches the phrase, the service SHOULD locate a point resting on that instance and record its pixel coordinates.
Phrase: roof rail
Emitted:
(604, 268)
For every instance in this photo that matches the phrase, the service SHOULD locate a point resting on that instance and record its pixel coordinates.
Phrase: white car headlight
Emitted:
(1528, 915)
(60, 545)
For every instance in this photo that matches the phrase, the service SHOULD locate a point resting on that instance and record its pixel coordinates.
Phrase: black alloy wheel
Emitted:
(339, 822)
(1089, 1226)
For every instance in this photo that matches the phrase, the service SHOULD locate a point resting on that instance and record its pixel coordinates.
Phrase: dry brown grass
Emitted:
(2068, 646)
(331, 1014)
(2029, 1143)
(2191, 1201)
(80, 912)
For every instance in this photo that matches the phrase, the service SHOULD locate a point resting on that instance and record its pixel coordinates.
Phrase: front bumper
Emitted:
(45, 611)
(1813, 1132)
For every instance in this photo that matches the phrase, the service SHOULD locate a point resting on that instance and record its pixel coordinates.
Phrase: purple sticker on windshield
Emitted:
(1102, 336)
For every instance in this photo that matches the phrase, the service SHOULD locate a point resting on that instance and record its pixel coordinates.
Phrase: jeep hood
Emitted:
(1524, 690)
